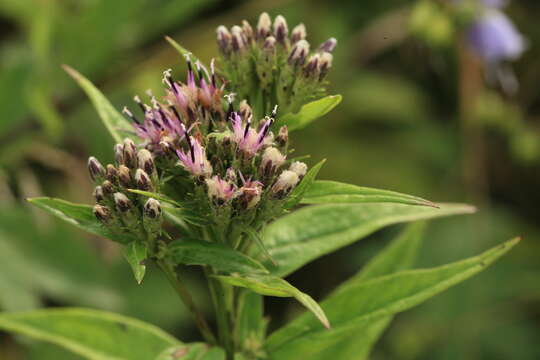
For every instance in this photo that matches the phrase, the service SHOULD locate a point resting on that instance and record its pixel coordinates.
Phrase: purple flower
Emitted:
(195, 160)
(247, 138)
(220, 189)
(494, 38)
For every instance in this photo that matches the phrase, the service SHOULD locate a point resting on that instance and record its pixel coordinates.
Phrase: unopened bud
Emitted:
(249, 196)
(123, 204)
(285, 182)
(281, 30)
(299, 168)
(143, 180)
(298, 33)
(272, 159)
(124, 176)
(298, 54)
(99, 196)
(112, 173)
(107, 187)
(145, 161)
(269, 44)
(102, 213)
(312, 65)
(130, 151)
(152, 209)
(119, 154)
(264, 26)
(328, 46)
(96, 170)
(283, 136)
(245, 110)
(238, 40)
(230, 175)
(325, 63)
(224, 39)
(248, 31)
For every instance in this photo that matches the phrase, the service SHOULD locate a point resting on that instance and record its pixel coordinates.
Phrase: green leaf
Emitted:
(93, 334)
(79, 215)
(181, 216)
(313, 231)
(135, 253)
(194, 351)
(397, 256)
(325, 192)
(219, 256)
(273, 286)
(307, 182)
(309, 112)
(359, 305)
(156, 196)
(118, 126)
(250, 325)
(182, 50)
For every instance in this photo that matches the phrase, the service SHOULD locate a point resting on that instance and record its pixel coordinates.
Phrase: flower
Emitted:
(195, 161)
(247, 138)
(220, 190)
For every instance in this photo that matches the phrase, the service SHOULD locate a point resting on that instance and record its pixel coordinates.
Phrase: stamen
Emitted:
(126, 111)
(274, 111)
(137, 99)
(212, 71)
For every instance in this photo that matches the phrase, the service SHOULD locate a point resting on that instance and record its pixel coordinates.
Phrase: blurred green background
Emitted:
(408, 123)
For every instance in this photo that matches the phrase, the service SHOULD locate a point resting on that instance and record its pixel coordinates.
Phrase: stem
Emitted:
(217, 292)
(186, 298)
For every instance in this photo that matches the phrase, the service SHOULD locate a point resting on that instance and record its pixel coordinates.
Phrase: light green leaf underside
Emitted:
(273, 286)
(95, 335)
(135, 254)
(194, 351)
(313, 231)
(307, 182)
(357, 306)
(219, 256)
(79, 215)
(399, 255)
(309, 112)
(116, 124)
(325, 192)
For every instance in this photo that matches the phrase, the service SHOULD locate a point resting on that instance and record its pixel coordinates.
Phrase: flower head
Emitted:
(220, 190)
(194, 160)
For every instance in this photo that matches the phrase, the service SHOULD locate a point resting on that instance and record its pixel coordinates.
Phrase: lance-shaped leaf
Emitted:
(118, 126)
(273, 286)
(399, 255)
(93, 334)
(309, 112)
(250, 326)
(219, 256)
(194, 351)
(156, 196)
(326, 192)
(135, 253)
(357, 306)
(307, 182)
(314, 231)
(79, 215)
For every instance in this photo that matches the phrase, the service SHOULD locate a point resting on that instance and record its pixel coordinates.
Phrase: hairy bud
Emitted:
(102, 213)
(285, 182)
(325, 63)
(298, 54)
(269, 44)
(99, 196)
(264, 26)
(248, 31)
(123, 204)
(119, 154)
(238, 40)
(272, 159)
(96, 170)
(143, 180)
(111, 173)
(152, 209)
(328, 46)
(299, 168)
(107, 187)
(298, 33)
(224, 39)
(124, 176)
(283, 137)
(249, 194)
(129, 153)
(146, 161)
(281, 30)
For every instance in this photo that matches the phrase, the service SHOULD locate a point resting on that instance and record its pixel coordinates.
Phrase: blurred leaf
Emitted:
(363, 303)
(135, 254)
(299, 191)
(156, 196)
(219, 256)
(47, 114)
(79, 215)
(93, 334)
(194, 351)
(250, 324)
(309, 112)
(118, 126)
(273, 286)
(325, 191)
(316, 230)
(180, 216)
(183, 51)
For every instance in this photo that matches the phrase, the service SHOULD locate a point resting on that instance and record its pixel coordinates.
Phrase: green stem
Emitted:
(186, 298)
(219, 298)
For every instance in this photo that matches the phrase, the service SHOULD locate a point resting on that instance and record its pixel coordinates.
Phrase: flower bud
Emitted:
(102, 213)
(152, 209)
(245, 110)
(285, 182)
(299, 168)
(283, 137)
(325, 63)
(123, 204)
(224, 39)
(298, 54)
(124, 176)
(248, 31)
(312, 66)
(96, 170)
(119, 154)
(238, 40)
(281, 30)
(272, 159)
(129, 153)
(328, 46)
(269, 44)
(99, 196)
(298, 33)
(249, 194)
(230, 175)
(219, 190)
(111, 173)
(143, 180)
(145, 161)
(107, 187)
(263, 26)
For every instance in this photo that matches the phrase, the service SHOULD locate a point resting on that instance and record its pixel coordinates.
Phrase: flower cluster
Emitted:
(270, 66)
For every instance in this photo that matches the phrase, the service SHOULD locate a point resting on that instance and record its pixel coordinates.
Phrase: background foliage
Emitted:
(398, 128)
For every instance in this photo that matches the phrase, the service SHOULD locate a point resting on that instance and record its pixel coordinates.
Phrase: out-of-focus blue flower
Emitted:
(494, 37)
